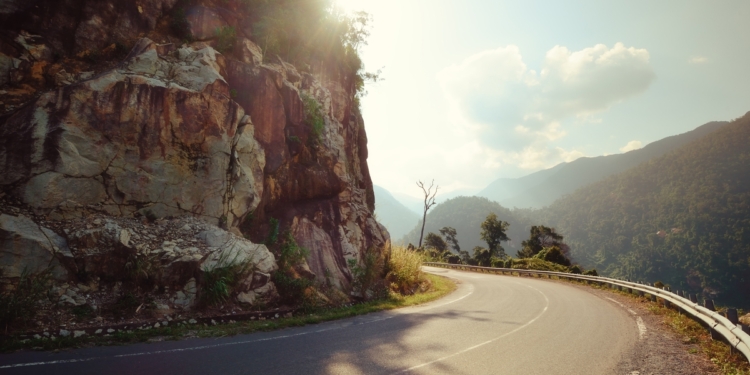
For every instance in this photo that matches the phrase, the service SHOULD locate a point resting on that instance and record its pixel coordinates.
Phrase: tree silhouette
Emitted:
(429, 201)
(493, 232)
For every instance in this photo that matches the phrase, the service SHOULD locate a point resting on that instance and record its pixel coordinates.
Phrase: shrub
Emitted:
(179, 23)
(292, 288)
(454, 259)
(591, 272)
(226, 37)
(273, 232)
(497, 262)
(658, 284)
(21, 303)
(219, 282)
(553, 254)
(141, 267)
(575, 269)
(313, 117)
(538, 264)
(404, 270)
(367, 276)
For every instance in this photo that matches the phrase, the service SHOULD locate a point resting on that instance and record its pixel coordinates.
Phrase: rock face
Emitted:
(158, 136)
(28, 247)
(166, 131)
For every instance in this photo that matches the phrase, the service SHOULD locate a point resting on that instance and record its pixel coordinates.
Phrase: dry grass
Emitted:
(405, 270)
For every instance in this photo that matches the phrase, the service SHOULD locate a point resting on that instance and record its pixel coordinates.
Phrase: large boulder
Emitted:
(27, 247)
(158, 136)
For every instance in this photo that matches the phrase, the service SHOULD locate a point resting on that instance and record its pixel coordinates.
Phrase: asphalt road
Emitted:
(490, 325)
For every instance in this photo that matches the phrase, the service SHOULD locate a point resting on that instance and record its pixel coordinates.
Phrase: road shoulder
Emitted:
(659, 350)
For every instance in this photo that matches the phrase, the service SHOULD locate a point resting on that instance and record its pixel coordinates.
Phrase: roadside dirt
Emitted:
(660, 351)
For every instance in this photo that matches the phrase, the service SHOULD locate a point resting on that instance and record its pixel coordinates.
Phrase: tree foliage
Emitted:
(435, 242)
(539, 238)
(493, 232)
(682, 218)
(466, 214)
(450, 237)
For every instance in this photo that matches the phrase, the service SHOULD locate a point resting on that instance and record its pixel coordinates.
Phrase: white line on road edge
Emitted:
(546, 306)
(471, 291)
(639, 321)
(641, 328)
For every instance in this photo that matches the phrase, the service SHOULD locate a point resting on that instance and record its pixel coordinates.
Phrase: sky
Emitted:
(477, 90)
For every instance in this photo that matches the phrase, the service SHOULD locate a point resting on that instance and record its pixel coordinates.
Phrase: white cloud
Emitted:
(698, 60)
(632, 145)
(520, 113)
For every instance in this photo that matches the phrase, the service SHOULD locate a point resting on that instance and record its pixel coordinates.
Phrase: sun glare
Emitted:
(350, 6)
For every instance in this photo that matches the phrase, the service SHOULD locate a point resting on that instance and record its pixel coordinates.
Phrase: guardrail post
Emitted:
(732, 316)
(709, 304)
(693, 298)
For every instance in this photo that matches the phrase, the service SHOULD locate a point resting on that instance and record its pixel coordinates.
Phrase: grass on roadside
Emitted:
(440, 286)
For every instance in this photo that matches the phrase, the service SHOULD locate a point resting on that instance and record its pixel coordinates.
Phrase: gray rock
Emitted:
(24, 245)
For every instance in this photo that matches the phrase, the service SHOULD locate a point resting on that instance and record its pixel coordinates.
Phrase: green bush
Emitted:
(367, 276)
(226, 37)
(273, 232)
(553, 254)
(538, 264)
(591, 272)
(497, 262)
(218, 283)
(575, 269)
(292, 288)
(21, 304)
(313, 117)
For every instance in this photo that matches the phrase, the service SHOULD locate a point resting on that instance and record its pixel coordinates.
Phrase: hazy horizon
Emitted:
(480, 90)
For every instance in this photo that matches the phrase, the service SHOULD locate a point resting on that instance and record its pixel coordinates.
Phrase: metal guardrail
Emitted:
(719, 325)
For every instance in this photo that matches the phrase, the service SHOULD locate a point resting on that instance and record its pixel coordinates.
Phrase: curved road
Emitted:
(490, 325)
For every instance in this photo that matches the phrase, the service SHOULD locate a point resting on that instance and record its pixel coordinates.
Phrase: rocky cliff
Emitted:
(114, 133)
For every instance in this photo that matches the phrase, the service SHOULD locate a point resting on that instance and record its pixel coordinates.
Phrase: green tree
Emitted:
(435, 242)
(482, 256)
(450, 236)
(493, 232)
(539, 238)
(553, 254)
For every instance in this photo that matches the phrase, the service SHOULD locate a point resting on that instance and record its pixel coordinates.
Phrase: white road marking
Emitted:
(546, 306)
(641, 328)
(641, 325)
(341, 326)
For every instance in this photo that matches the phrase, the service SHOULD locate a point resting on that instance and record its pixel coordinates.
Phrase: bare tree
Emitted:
(429, 201)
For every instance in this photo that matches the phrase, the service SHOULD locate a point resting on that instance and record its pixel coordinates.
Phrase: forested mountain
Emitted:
(544, 187)
(392, 214)
(466, 214)
(683, 218)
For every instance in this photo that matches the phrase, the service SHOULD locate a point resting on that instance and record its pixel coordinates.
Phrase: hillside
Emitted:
(465, 214)
(544, 187)
(392, 214)
(682, 218)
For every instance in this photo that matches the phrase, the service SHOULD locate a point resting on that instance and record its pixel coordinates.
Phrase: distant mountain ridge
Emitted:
(681, 218)
(396, 217)
(541, 188)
